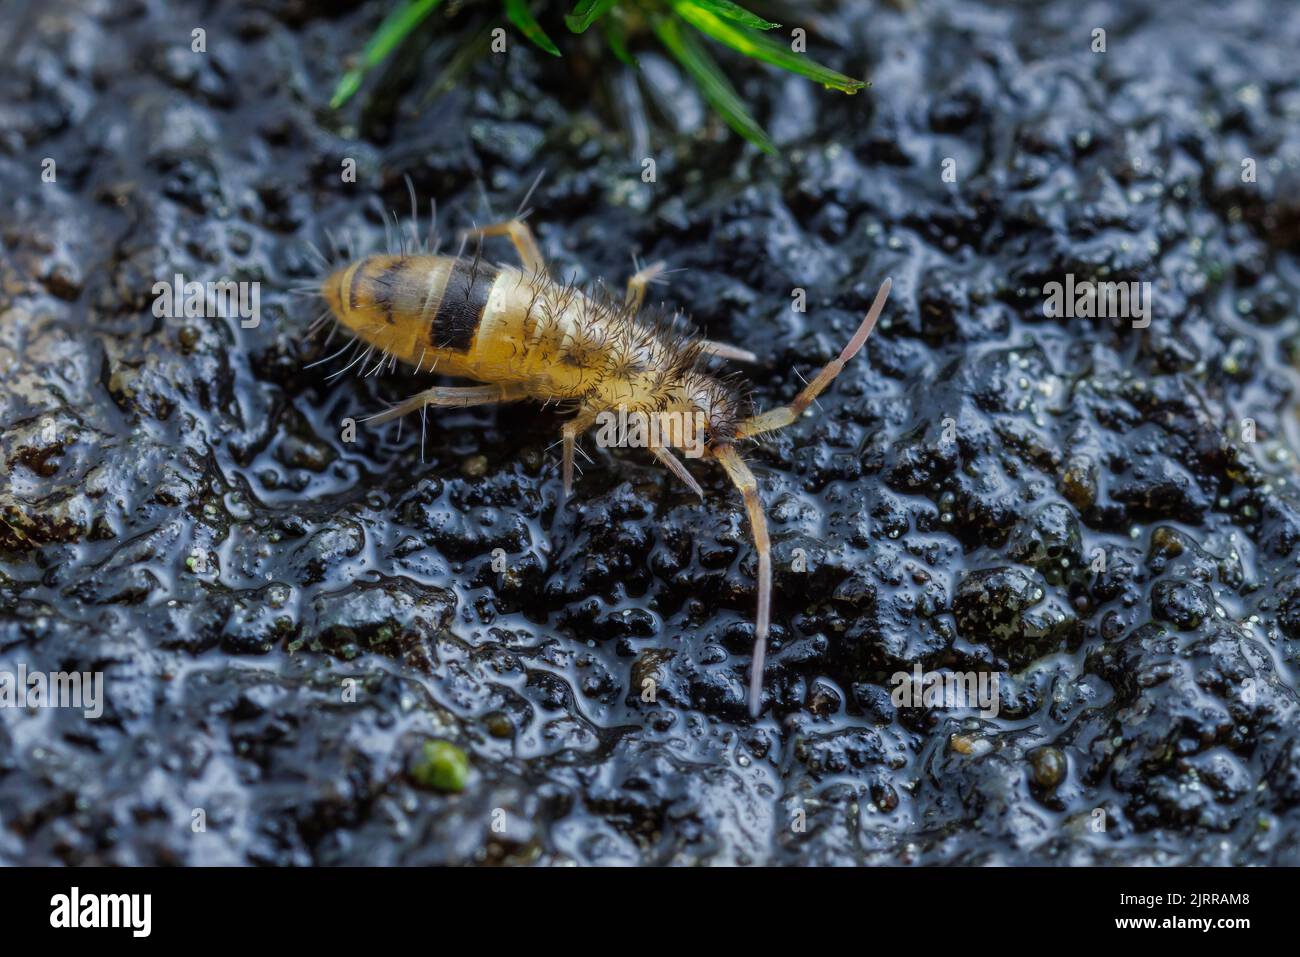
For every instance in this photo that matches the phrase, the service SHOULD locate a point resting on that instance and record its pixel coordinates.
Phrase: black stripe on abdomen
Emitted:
(386, 288)
(354, 299)
(462, 306)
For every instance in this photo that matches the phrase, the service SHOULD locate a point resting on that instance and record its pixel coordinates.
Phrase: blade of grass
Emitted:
(586, 13)
(394, 29)
(519, 14)
(711, 81)
(734, 11)
(764, 48)
(616, 37)
(458, 64)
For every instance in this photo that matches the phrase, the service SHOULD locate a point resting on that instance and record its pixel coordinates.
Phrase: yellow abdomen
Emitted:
(495, 324)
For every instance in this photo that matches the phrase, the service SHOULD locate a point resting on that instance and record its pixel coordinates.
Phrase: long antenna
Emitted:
(782, 416)
(743, 479)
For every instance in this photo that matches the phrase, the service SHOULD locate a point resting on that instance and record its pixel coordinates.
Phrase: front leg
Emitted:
(724, 351)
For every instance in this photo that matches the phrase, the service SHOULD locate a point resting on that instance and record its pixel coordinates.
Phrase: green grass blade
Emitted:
(522, 17)
(734, 11)
(763, 48)
(617, 40)
(395, 28)
(586, 13)
(711, 81)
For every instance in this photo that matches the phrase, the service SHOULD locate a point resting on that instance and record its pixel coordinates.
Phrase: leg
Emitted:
(674, 465)
(572, 429)
(521, 236)
(450, 397)
(637, 285)
(782, 416)
(724, 351)
(743, 479)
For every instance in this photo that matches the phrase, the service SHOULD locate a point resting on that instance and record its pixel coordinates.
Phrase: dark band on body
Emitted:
(462, 306)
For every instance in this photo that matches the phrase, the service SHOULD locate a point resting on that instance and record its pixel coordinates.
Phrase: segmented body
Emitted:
(462, 316)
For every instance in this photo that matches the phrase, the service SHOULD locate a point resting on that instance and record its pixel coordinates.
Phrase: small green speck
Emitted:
(441, 765)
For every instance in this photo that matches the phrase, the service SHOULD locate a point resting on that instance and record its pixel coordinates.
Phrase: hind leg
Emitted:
(450, 397)
(530, 254)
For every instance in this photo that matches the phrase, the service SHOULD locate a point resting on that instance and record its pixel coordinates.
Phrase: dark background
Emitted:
(1165, 685)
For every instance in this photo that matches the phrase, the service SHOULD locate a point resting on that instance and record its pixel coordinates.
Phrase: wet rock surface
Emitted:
(1103, 516)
